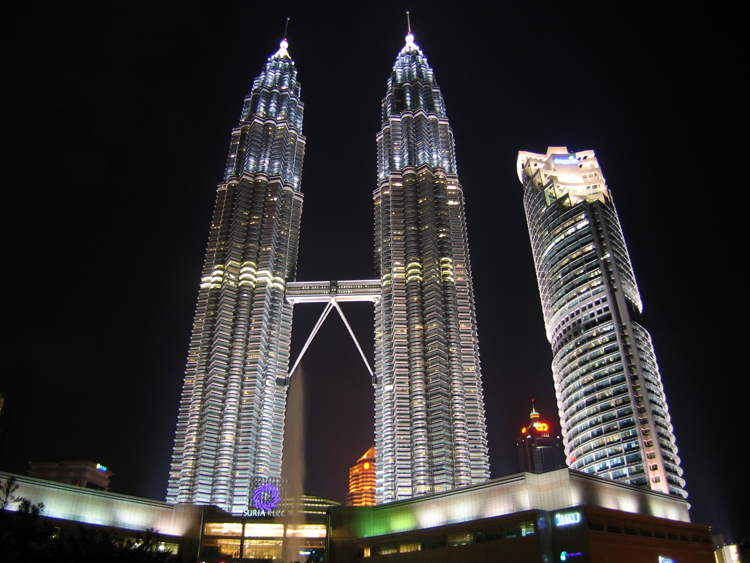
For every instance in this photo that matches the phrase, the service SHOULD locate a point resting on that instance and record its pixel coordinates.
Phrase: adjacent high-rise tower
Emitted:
(231, 419)
(613, 410)
(430, 427)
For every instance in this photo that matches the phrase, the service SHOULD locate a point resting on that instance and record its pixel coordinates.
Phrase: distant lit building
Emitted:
(362, 481)
(538, 452)
(614, 416)
(727, 554)
(86, 474)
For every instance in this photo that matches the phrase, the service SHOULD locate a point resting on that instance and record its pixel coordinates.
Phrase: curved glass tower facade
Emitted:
(613, 410)
(231, 418)
(430, 426)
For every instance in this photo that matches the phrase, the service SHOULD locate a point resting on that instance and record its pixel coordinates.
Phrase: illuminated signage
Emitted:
(541, 426)
(565, 555)
(569, 160)
(263, 513)
(665, 559)
(567, 519)
(100, 467)
(266, 497)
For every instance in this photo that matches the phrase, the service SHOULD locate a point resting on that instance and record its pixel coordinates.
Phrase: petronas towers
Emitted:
(429, 410)
(230, 428)
(429, 429)
(430, 432)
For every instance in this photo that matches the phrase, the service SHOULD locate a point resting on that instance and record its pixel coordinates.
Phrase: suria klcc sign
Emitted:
(266, 499)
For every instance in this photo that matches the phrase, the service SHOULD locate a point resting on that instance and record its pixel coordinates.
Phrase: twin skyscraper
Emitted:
(430, 432)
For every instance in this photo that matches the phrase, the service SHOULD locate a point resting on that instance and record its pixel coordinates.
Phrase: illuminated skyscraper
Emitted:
(362, 481)
(430, 428)
(613, 410)
(231, 419)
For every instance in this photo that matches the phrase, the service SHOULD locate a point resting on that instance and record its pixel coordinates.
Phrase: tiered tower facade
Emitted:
(231, 419)
(429, 406)
(430, 430)
(613, 410)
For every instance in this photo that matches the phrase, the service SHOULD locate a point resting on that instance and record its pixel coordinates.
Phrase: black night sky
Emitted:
(116, 130)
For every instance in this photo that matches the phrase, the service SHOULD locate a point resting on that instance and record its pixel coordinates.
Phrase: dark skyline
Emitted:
(117, 134)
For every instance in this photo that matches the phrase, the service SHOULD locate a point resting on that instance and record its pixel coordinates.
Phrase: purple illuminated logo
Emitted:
(266, 497)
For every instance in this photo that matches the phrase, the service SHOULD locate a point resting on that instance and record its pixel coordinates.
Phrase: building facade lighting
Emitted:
(231, 420)
(430, 425)
(614, 415)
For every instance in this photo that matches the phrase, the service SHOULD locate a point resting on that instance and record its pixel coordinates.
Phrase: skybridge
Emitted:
(332, 293)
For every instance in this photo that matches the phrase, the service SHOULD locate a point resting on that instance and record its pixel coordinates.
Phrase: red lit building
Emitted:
(538, 451)
(362, 481)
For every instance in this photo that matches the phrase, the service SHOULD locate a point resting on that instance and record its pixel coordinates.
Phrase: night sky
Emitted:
(115, 135)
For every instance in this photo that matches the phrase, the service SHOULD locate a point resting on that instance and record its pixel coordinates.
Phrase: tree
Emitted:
(23, 534)
(27, 537)
(6, 493)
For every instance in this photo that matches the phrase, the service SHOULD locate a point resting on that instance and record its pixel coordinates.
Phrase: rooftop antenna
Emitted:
(408, 21)
(286, 27)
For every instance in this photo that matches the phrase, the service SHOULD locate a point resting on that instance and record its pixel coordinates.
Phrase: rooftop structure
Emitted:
(86, 474)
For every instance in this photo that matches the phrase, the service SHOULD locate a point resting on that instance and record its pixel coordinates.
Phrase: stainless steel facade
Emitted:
(611, 400)
(430, 430)
(430, 425)
(231, 420)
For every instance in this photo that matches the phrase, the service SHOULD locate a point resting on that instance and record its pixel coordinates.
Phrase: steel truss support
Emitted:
(332, 303)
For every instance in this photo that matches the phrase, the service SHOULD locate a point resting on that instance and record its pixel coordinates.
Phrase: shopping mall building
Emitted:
(562, 515)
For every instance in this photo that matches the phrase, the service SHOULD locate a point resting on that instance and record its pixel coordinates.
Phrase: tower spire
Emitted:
(410, 46)
(282, 53)
(533, 414)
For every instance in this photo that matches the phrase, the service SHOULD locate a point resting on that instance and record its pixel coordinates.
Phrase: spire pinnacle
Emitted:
(410, 45)
(533, 414)
(282, 53)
